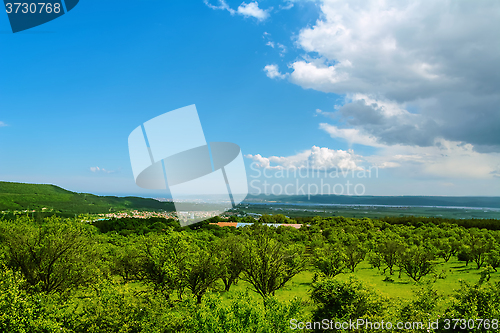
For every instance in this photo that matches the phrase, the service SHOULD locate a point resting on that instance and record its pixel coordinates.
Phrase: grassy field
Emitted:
(402, 289)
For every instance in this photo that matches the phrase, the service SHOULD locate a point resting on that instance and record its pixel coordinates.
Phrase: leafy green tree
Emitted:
(446, 248)
(375, 260)
(200, 271)
(329, 260)
(416, 262)
(55, 255)
(355, 254)
(480, 245)
(269, 264)
(493, 258)
(163, 261)
(230, 253)
(22, 312)
(464, 254)
(422, 307)
(125, 258)
(389, 249)
(472, 301)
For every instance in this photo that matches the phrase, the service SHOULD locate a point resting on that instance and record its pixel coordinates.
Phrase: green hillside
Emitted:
(19, 196)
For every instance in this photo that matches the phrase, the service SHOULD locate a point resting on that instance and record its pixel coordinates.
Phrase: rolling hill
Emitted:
(20, 196)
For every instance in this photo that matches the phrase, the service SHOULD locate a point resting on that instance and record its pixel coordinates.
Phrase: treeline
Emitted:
(152, 275)
(417, 221)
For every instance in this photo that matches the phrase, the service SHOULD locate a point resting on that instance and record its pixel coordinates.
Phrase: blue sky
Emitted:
(316, 84)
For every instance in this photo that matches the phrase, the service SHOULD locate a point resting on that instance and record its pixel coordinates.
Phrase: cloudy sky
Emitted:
(408, 89)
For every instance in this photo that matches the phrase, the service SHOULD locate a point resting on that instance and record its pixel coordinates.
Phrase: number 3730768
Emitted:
(33, 8)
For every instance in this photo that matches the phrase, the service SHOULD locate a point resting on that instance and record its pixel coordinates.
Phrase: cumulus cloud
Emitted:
(273, 72)
(383, 122)
(245, 9)
(444, 159)
(320, 158)
(96, 169)
(252, 10)
(413, 72)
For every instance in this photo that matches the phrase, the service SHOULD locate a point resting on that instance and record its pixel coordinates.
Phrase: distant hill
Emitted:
(442, 201)
(20, 196)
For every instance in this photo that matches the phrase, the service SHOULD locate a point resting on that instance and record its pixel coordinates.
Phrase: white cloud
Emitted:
(426, 70)
(320, 158)
(287, 6)
(262, 162)
(252, 10)
(283, 49)
(271, 44)
(323, 113)
(96, 169)
(2, 124)
(445, 159)
(222, 6)
(322, 78)
(273, 72)
(245, 9)
(351, 135)
(385, 165)
(384, 122)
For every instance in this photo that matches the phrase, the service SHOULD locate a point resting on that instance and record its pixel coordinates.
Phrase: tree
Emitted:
(493, 258)
(200, 271)
(329, 260)
(126, 258)
(55, 255)
(481, 300)
(163, 261)
(389, 249)
(480, 245)
(375, 259)
(464, 254)
(417, 262)
(421, 307)
(355, 254)
(21, 311)
(269, 264)
(446, 248)
(230, 253)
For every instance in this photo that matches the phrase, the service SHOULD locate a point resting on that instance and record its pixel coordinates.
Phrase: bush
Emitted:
(20, 311)
(342, 301)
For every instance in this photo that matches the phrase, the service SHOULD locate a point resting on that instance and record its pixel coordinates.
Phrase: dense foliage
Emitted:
(152, 275)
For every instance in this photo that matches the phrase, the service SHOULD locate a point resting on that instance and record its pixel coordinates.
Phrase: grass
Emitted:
(402, 289)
